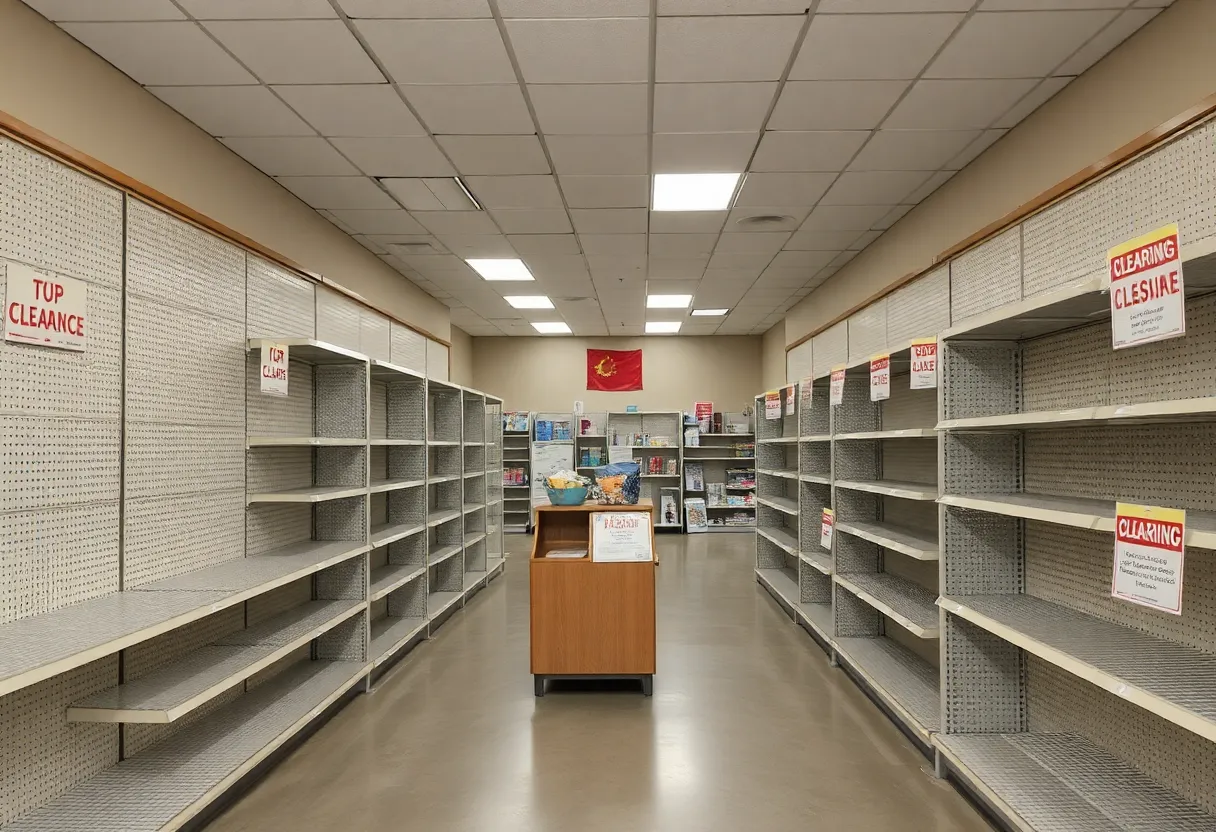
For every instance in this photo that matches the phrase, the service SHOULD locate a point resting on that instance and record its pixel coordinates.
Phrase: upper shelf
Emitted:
(908, 604)
(914, 544)
(1167, 411)
(301, 442)
(906, 433)
(314, 352)
(892, 488)
(312, 494)
(389, 372)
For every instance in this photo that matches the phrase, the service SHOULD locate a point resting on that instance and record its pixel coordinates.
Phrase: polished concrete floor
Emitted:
(749, 730)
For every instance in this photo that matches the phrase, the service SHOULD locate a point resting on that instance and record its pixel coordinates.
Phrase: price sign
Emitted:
(1149, 556)
(772, 405)
(880, 378)
(789, 400)
(827, 523)
(1147, 301)
(621, 537)
(807, 388)
(274, 369)
(44, 310)
(836, 387)
(924, 364)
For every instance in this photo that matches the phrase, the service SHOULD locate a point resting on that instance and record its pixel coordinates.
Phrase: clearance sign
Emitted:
(1146, 294)
(45, 310)
(1148, 556)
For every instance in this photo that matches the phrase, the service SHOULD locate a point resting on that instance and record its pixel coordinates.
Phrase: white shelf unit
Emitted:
(635, 430)
(445, 498)
(517, 460)
(548, 456)
(476, 496)
(496, 550)
(590, 441)
(724, 457)
(778, 565)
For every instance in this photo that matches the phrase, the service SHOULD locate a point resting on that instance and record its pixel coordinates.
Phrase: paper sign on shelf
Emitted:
(924, 364)
(45, 310)
(836, 387)
(772, 405)
(789, 400)
(1149, 556)
(274, 369)
(621, 537)
(1147, 300)
(827, 523)
(807, 388)
(880, 378)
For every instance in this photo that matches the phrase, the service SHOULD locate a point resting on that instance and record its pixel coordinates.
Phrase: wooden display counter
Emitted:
(591, 619)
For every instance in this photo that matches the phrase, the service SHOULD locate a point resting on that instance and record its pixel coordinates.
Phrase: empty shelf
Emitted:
(906, 433)
(174, 690)
(469, 508)
(312, 494)
(909, 605)
(388, 578)
(906, 682)
(439, 516)
(387, 371)
(189, 770)
(471, 474)
(783, 583)
(780, 440)
(817, 437)
(435, 478)
(1063, 781)
(1172, 411)
(443, 553)
(384, 534)
(1171, 680)
(780, 503)
(787, 473)
(396, 442)
(307, 349)
(443, 443)
(380, 486)
(821, 479)
(1074, 304)
(818, 616)
(472, 579)
(892, 488)
(914, 544)
(688, 459)
(493, 564)
(391, 634)
(300, 441)
(781, 537)
(661, 476)
(438, 602)
(821, 561)
(474, 537)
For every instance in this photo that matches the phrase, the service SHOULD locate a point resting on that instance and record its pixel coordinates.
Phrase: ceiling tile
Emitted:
(957, 105)
(711, 108)
(574, 8)
(930, 185)
(415, 8)
(986, 140)
(234, 111)
(842, 258)
(758, 243)
(590, 108)
(821, 240)
(515, 191)
(455, 223)
(686, 222)
(352, 109)
(439, 51)
(395, 221)
(783, 189)
(609, 220)
(533, 220)
(606, 191)
(429, 194)
(865, 239)
(257, 9)
(745, 265)
(492, 155)
(410, 156)
(893, 216)
(754, 48)
(386, 240)
(297, 51)
(682, 245)
(471, 109)
(597, 245)
(161, 53)
(468, 246)
(1040, 5)
(287, 156)
(676, 267)
(1016, 44)
(912, 149)
(823, 150)
(850, 47)
(557, 267)
(762, 218)
(527, 244)
(708, 7)
(807, 260)
(617, 266)
(668, 286)
(873, 187)
(337, 191)
(844, 217)
(834, 105)
(599, 154)
(1106, 40)
(574, 51)
(702, 152)
(882, 6)
(1032, 101)
(61, 10)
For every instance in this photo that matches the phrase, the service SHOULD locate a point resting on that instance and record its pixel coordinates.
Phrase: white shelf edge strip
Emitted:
(396, 583)
(886, 609)
(1205, 406)
(917, 552)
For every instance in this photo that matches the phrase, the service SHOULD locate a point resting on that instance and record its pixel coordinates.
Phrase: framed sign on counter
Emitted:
(621, 537)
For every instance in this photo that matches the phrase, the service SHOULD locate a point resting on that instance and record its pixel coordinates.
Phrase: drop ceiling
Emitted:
(556, 113)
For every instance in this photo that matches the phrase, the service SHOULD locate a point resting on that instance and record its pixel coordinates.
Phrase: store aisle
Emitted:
(749, 729)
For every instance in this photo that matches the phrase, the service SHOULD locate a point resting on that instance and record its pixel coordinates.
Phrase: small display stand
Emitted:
(592, 594)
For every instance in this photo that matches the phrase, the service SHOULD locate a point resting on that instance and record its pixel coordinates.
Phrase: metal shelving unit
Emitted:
(547, 455)
(719, 454)
(516, 455)
(626, 430)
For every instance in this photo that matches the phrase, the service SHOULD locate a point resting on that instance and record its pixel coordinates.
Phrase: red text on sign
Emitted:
(1158, 533)
(1144, 258)
(1146, 289)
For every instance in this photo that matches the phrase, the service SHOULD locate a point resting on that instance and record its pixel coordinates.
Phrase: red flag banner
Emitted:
(614, 370)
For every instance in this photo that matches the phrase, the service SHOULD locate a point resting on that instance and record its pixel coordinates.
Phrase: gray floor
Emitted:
(749, 729)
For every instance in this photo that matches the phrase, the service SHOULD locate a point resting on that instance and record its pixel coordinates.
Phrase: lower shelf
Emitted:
(172, 781)
(1042, 782)
(818, 616)
(390, 634)
(437, 603)
(908, 604)
(903, 680)
(784, 582)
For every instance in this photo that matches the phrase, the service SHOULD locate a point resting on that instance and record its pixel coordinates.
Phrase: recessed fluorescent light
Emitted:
(468, 193)
(551, 328)
(662, 327)
(694, 191)
(668, 301)
(501, 269)
(529, 301)
(713, 312)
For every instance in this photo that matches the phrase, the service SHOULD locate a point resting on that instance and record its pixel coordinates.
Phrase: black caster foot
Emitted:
(538, 683)
(647, 685)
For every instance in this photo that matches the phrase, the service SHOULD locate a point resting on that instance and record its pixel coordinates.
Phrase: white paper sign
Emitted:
(45, 310)
(827, 524)
(880, 378)
(924, 364)
(1147, 300)
(1149, 556)
(772, 405)
(621, 537)
(807, 389)
(274, 369)
(836, 387)
(789, 400)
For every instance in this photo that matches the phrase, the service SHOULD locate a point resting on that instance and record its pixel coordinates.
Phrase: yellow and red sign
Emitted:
(1149, 556)
(1147, 298)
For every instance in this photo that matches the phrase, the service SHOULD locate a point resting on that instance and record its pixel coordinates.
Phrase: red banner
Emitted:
(614, 370)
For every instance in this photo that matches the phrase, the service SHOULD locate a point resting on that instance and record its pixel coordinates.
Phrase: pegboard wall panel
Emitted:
(54, 218)
(290, 415)
(436, 360)
(375, 338)
(341, 400)
(1073, 567)
(829, 349)
(919, 310)
(856, 412)
(279, 304)
(908, 408)
(909, 460)
(979, 379)
(868, 331)
(378, 416)
(981, 553)
(156, 456)
(984, 691)
(338, 319)
(1171, 756)
(169, 536)
(1175, 183)
(1067, 370)
(269, 527)
(280, 600)
(60, 462)
(981, 463)
(407, 348)
(798, 362)
(280, 469)
(987, 276)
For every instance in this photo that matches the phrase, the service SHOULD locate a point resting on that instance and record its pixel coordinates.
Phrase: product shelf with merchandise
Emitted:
(590, 442)
(517, 471)
(552, 450)
(653, 440)
(719, 467)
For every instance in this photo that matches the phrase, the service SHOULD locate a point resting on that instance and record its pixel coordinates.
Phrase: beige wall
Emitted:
(1163, 69)
(772, 367)
(460, 360)
(53, 83)
(551, 373)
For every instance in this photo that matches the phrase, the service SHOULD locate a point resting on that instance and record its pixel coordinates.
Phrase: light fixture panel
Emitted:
(529, 301)
(662, 327)
(668, 301)
(501, 268)
(694, 191)
(551, 327)
(709, 312)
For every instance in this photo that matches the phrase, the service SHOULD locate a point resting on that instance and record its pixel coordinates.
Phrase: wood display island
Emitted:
(590, 619)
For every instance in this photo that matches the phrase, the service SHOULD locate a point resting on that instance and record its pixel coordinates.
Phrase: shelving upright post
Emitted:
(445, 498)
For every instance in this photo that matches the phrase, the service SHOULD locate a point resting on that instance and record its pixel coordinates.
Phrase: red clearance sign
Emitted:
(45, 310)
(1149, 556)
(1147, 298)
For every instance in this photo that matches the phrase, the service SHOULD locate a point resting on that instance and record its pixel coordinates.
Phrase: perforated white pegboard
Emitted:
(374, 335)
(987, 276)
(337, 319)
(829, 349)
(169, 536)
(798, 362)
(919, 310)
(908, 408)
(270, 526)
(378, 417)
(868, 331)
(1071, 369)
(279, 304)
(408, 348)
(436, 360)
(164, 459)
(290, 415)
(59, 462)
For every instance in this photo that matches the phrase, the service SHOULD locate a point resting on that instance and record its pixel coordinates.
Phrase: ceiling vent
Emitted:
(765, 221)
(416, 248)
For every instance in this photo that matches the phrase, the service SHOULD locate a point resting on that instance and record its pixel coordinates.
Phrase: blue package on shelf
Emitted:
(544, 431)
